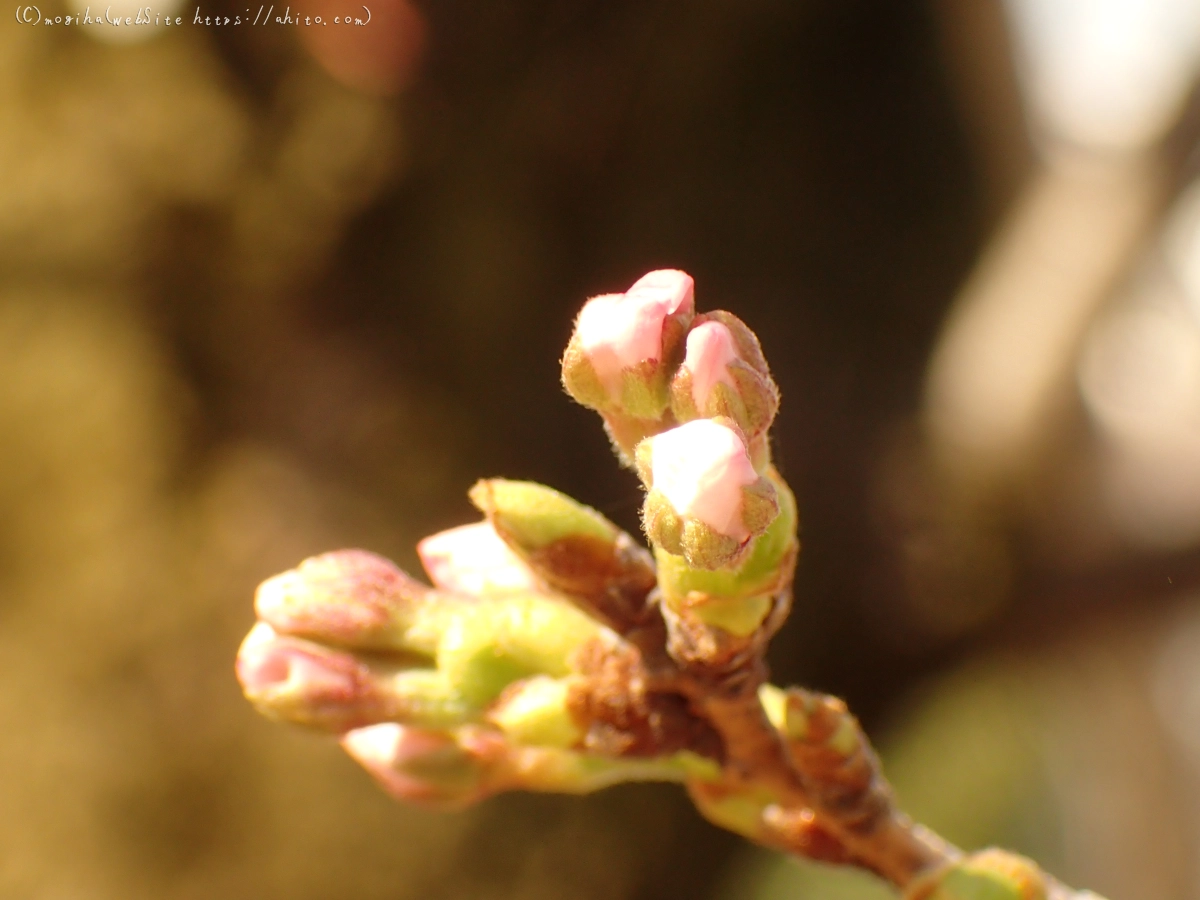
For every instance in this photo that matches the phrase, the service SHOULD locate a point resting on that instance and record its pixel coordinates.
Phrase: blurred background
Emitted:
(267, 291)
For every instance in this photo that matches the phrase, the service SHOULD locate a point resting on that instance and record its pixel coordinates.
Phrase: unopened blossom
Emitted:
(322, 687)
(474, 560)
(620, 356)
(306, 683)
(701, 468)
(426, 767)
(710, 354)
(724, 374)
(347, 597)
(706, 500)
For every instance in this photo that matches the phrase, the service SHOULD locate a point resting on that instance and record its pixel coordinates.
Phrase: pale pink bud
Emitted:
(623, 343)
(306, 683)
(706, 500)
(626, 329)
(673, 290)
(348, 597)
(710, 352)
(701, 468)
(425, 767)
(474, 560)
(725, 375)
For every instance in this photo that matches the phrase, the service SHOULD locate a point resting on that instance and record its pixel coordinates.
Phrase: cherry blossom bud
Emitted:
(724, 374)
(306, 683)
(706, 500)
(736, 606)
(319, 687)
(474, 560)
(626, 346)
(425, 767)
(348, 597)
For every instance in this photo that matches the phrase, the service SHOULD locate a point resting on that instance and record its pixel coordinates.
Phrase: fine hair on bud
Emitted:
(348, 597)
(705, 501)
(625, 347)
(724, 374)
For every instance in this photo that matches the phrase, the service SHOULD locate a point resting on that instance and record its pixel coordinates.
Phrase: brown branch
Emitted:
(830, 800)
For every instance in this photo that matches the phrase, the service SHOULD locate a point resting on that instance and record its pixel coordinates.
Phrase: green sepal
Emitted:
(530, 516)
(759, 574)
(554, 770)
(535, 713)
(580, 380)
(644, 391)
(499, 640)
(739, 616)
(425, 698)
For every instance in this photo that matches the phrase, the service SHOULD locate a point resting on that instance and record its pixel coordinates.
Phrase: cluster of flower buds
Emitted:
(451, 693)
(688, 400)
(550, 652)
(646, 362)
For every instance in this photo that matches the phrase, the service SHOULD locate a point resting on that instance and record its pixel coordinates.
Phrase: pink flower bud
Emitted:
(425, 767)
(701, 468)
(627, 329)
(619, 337)
(710, 352)
(706, 500)
(306, 683)
(725, 375)
(474, 560)
(347, 597)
